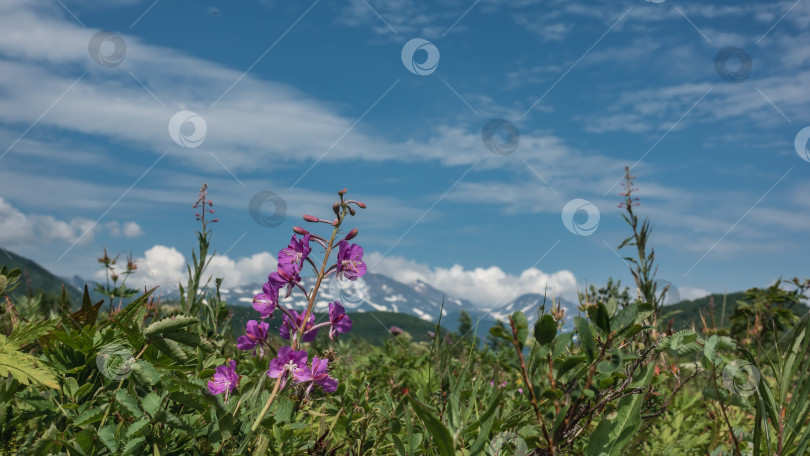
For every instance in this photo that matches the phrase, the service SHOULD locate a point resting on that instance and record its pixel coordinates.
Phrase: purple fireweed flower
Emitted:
(289, 362)
(341, 322)
(266, 302)
(291, 259)
(255, 334)
(225, 380)
(350, 260)
(288, 327)
(431, 334)
(318, 375)
(395, 330)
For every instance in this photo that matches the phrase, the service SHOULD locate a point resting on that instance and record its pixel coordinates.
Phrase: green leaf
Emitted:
(107, 436)
(145, 372)
(129, 402)
(611, 307)
(151, 403)
(561, 343)
(545, 330)
(441, 435)
(709, 350)
(190, 339)
(498, 331)
(134, 446)
(598, 314)
(611, 436)
(29, 332)
(585, 336)
(168, 325)
(89, 416)
(25, 368)
(625, 318)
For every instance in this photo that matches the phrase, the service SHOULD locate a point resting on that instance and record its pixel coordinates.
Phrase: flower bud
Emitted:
(336, 208)
(214, 221)
(299, 230)
(351, 211)
(310, 218)
(343, 192)
(351, 235)
(360, 204)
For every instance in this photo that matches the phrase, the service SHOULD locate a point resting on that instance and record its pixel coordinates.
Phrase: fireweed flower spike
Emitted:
(255, 334)
(225, 380)
(289, 362)
(265, 303)
(350, 260)
(340, 322)
(291, 259)
(318, 375)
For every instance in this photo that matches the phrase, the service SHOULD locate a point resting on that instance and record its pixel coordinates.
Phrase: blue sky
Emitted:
(302, 99)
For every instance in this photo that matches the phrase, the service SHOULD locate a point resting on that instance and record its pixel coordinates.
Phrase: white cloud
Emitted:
(166, 267)
(129, 229)
(485, 287)
(690, 293)
(17, 228)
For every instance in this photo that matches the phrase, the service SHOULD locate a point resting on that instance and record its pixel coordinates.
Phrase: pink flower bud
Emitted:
(351, 211)
(351, 235)
(310, 218)
(343, 192)
(299, 230)
(214, 221)
(336, 208)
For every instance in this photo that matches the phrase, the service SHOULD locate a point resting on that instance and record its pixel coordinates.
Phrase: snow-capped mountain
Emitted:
(378, 292)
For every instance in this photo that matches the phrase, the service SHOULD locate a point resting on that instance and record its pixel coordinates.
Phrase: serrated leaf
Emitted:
(168, 325)
(133, 446)
(29, 332)
(190, 339)
(151, 403)
(145, 372)
(107, 436)
(172, 349)
(129, 402)
(25, 368)
(89, 416)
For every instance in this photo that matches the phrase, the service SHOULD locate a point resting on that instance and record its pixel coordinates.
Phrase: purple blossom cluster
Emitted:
(291, 362)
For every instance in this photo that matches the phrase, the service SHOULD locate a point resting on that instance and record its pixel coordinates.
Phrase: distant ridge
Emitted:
(35, 278)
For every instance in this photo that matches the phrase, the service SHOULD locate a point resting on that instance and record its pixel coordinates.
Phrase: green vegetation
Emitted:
(168, 378)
